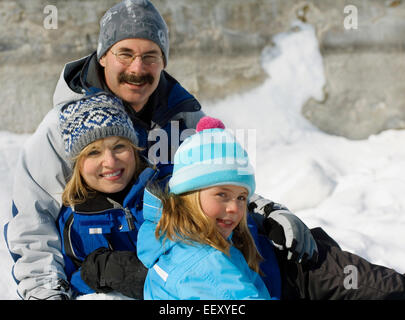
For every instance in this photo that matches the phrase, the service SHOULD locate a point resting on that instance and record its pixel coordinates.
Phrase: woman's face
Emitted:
(226, 205)
(108, 165)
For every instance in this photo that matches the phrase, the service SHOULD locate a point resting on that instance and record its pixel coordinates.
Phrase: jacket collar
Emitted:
(152, 206)
(101, 201)
(152, 248)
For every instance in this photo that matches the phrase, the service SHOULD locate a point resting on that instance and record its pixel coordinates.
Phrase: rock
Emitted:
(215, 49)
(365, 70)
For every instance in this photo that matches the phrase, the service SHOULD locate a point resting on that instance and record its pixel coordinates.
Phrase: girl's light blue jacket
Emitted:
(183, 271)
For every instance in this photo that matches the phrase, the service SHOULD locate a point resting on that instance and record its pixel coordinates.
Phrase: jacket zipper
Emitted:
(128, 215)
(130, 219)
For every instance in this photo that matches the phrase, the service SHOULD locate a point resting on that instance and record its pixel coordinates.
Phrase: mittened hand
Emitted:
(92, 270)
(105, 270)
(288, 232)
(126, 274)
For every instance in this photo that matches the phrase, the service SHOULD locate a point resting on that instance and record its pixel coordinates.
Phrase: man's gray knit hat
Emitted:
(87, 120)
(133, 19)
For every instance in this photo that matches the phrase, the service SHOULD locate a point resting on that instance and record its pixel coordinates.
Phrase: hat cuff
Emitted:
(100, 133)
(104, 51)
(225, 177)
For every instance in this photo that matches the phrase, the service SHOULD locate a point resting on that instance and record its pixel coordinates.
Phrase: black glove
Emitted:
(105, 270)
(288, 232)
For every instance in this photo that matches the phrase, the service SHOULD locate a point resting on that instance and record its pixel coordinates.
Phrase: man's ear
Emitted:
(102, 60)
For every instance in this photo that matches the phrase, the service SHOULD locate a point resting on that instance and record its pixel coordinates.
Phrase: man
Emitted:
(132, 53)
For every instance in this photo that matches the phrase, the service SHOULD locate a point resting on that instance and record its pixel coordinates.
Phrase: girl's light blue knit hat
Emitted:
(211, 157)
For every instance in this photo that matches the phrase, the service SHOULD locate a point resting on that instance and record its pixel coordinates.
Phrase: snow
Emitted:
(352, 189)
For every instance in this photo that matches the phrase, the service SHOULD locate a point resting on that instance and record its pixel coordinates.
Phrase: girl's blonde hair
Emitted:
(184, 220)
(76, 190)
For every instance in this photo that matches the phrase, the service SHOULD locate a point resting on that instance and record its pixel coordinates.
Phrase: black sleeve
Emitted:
(338, 275)
(105, 270)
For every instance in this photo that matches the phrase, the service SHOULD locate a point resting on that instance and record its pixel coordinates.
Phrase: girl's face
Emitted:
(226, 205)
(108, 164)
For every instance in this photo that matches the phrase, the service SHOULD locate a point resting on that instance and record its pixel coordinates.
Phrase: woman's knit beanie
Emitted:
(87, 120)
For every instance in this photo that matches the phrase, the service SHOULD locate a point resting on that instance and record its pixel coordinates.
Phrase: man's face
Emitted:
(132, 83)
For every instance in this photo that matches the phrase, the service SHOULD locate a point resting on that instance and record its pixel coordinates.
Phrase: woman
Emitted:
(103, 198)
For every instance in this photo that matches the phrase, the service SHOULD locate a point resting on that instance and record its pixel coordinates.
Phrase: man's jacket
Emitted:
(42, 171)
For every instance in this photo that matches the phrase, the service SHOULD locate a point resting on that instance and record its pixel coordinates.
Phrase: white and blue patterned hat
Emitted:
(211, 157)
(87, 120)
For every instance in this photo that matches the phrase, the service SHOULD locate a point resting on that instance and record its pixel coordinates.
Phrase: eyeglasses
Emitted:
(127, 58)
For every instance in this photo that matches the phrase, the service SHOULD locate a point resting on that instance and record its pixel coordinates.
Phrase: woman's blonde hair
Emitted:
(184, 220)
(76, 190)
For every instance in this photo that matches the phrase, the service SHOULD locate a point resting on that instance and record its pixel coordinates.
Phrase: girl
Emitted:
(102, 199)
(203, 248)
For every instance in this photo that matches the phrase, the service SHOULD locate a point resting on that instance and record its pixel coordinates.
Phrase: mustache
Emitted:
(125, 77)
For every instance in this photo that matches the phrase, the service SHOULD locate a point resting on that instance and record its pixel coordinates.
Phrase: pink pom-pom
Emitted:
(209, 123)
